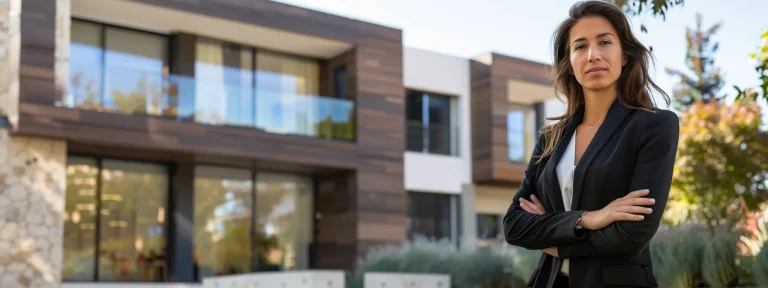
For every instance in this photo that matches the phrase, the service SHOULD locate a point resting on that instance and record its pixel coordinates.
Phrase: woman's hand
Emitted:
(535, 206)
(532, 206)
(627, 208)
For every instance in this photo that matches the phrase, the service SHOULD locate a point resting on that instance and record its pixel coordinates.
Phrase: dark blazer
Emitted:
(633, 149)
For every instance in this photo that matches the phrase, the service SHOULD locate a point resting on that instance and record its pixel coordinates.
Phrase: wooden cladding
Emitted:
(490, 104)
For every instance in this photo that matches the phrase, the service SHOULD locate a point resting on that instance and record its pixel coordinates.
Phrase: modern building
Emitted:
(470, 128)
(511, 100)
(168, 141)
(438, 155)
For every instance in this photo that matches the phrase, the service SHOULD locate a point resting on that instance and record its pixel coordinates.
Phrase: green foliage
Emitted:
(721, 165)
(706, 82)
(719, 261)
(761, 268)
(761, 67)
(657, 8)
(676, 259)
(471, 268)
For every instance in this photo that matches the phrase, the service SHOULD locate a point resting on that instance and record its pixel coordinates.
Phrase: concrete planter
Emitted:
(406, 280)
(286, 279)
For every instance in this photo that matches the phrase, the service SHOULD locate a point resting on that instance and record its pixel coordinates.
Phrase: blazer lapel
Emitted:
(550, 170)
(613, 119)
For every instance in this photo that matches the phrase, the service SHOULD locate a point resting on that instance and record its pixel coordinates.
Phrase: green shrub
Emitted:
(676, 259)
(719, 260)
(471, 268)
(761, 268)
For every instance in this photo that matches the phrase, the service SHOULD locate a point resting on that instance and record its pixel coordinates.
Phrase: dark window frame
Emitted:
(422, 126)
(97, 245)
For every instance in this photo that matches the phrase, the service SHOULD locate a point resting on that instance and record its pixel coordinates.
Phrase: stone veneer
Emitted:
(61, 54)
(10, 47)
(32, 191)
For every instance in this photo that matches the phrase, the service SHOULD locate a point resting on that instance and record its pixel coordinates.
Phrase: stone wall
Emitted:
(32, 191)
(10, 47)
(61, 54)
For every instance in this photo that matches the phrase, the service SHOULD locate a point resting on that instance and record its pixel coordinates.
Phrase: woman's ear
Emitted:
(624, 60)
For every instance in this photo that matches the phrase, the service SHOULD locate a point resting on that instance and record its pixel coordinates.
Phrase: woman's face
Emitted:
(596, 54)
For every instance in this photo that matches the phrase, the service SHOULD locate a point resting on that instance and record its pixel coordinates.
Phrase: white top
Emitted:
(565, 176)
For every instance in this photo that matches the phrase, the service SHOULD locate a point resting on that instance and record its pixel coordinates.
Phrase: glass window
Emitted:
(80, 220)
(85, 69)
(286, 88)
(283, 222)
(430, 215)
(414, 111)
(439, 123)
(521, 132)
(223, 217)
(117, 69)
(429, 125)
(128, 233)
(225, 83)
(132, 225)
(516, 135)
(225, 227)
(488, 226)
(135, 64)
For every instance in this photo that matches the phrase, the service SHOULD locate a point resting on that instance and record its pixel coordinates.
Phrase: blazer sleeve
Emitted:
(653, 170)
(534, 231)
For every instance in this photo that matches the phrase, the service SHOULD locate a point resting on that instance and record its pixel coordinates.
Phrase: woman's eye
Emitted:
(605, 42)
(579, 47)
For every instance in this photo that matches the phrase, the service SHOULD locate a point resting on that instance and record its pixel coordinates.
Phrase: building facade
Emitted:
(168, 141)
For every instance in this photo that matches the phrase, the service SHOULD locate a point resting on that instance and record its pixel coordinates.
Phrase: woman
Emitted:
(596, 187)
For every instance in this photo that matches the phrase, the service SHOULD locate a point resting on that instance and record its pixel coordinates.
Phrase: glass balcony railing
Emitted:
(432, 139)
(212, 101)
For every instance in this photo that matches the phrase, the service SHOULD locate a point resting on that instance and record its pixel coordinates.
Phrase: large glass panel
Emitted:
(429, 215)
(133, 221)
(80, 220)
(488, 226)
(414, 115)
(135, 67)
(439, 123)
(284, 99)
(85, 65)
(521, 132)
(223, 217)
(283, 222)
(224, 85)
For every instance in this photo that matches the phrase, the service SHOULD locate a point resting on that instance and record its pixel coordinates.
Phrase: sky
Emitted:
(467, 28)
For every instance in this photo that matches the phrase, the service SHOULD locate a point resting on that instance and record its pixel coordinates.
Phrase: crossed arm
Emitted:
(611, 230)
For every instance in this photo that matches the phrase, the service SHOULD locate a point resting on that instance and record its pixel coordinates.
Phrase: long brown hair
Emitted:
(634, 85)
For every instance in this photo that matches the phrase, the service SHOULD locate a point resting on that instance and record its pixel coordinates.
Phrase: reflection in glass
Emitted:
(429, 215)
(488, 226)
(283, 223)
(284, 98)
(135, 64)
(222, 221)
(429, 127)
(85, 67)
(225, 83)
(80, 220)
(516, 135)
(132, 225)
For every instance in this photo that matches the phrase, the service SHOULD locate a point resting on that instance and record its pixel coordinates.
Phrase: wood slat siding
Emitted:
(366, 203)
(490, 159)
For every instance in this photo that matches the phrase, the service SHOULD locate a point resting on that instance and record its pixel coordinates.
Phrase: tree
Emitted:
(721, 166)
(658, 8)
(706, 82)
(761, 66)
